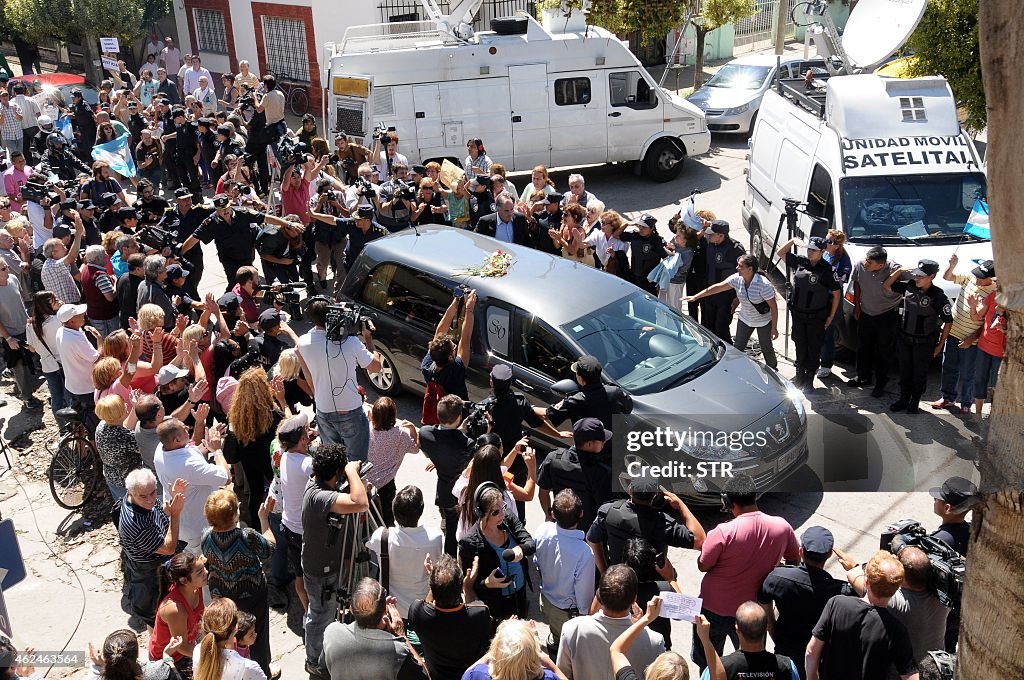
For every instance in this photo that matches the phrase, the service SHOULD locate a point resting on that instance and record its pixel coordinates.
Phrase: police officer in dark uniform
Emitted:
(84, 124)
(186, 151)
(582, 467)
(594, 400)
(721, 253)
(646, 249)
(360, 230)
(182, 220)
(659, 517)
(813, 302)
(800, 593)
(925, 319)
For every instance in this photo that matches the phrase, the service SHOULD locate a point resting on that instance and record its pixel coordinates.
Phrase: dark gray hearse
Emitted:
(546, 313)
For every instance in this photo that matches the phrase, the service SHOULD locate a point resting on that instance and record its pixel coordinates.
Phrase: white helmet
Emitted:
(45, 122)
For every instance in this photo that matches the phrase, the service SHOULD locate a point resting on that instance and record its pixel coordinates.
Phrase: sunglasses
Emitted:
(830, 242)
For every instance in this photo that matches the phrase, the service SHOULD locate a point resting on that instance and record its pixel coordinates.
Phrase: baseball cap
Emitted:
(586, 365)
(229, 301)
(183, 192)
(815, 243)
(589, 430)
(553, 198)
(269, 318)
(645, 482)
(365, 211)
(176, 271)
(817, 543)
(220, 201)
(956, 491)
(719, 227)
(127, 213)
(647, 220)
(419, 169)
(295, 423)
(926, 268)
(984, 270)
(75, 92)
(68, 312)
(170, 373)
(501, 372)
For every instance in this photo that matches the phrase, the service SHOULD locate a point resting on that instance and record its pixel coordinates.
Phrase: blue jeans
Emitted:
(323, 610)
(118, 492)
(986, 369)
(721, 628)
(279, 575)
(350, 428)
(59, 396)
(105, 327)
(958, 372)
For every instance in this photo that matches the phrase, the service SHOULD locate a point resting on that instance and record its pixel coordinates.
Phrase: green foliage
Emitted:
(78, 19)
(718, 13)
(946, 43)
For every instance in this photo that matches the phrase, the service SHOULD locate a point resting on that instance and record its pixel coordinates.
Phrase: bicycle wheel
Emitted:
(74, 472)
(298, 101)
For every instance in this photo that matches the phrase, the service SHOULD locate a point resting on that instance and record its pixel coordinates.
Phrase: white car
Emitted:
(731, 98)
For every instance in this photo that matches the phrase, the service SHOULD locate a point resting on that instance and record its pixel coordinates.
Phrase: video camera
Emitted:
(363, 187)
(251, 359)
(948, 566)
(474, 416)
(286, 293)
(38, 192)
(291, 151)
(158, 239)
(346, 319)
(382, 132)
(247, 100)
(399, 189)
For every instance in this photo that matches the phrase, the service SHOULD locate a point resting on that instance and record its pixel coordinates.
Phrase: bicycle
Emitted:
(76, 471)
(295, 94)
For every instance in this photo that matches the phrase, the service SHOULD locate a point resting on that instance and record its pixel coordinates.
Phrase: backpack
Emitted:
(435, 391)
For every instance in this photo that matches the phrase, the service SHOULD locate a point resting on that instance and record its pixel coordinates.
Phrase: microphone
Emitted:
(509, 555)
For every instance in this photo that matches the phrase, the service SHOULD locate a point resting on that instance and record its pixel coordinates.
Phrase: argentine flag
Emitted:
(690, 218)
(117, 154)
(63, 125)
(977, 223)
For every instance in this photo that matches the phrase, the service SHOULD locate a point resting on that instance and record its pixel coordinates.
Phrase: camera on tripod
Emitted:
(948, 566)
(474, 416)
(346, 319)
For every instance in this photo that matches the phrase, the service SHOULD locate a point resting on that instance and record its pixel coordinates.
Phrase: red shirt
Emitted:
(993, 333)
(740, 554)
(295, 201)
(249, 307)
(162, 634)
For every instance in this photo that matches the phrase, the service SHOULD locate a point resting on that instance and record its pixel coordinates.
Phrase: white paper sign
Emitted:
(109, 45)
(681, 607)
(109, 63)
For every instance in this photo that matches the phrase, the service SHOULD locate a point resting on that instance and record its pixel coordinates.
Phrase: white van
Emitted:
(882, 159)
(571, 96)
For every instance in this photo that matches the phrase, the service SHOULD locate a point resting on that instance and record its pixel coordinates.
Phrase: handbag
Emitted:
(762, 307)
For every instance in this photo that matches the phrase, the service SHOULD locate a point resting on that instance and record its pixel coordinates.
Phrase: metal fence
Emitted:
(758, 29)
(411, 10)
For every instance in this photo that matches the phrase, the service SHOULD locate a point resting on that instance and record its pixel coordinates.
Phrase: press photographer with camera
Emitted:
(330, 361)
(444, 365)
(363, 191)
(279, 248)
(385, 152)
(148, 205)
(322, 504)
(397, 199)
(329, 240)
(348, 156)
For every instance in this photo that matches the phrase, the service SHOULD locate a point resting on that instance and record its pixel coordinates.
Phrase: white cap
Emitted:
(68, 312)
(44, 120)
(169, 373)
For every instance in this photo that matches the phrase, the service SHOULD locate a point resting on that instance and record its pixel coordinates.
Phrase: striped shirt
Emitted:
(235, 560)
(56, 277)
(760, 290)
(963, 325)
(142, 531)
(104, 282)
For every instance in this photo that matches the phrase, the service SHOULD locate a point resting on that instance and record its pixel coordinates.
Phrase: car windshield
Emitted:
(911, 208)
(740, 76)
(644, 345)
(63, 93)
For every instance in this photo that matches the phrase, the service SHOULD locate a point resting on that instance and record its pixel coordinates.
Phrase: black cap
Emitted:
(553, 198)
(365, 211)
(108, 198)
(69, 204)
(501, 373)
(229, 301)
(61, 230)
(127, 213)
(76, 92)
(175, 271)
(419, 169)
(86, 205)
(208, 122)
(589, 430)
(926, 268)
(177, 111)
(587, 365)
(815, 243)
(183, 192)
(817, 543)
(649, 221)
(269, 318)
(220, 201)
(956, 491)
(645, 482)
(984, 270)
(224, 130)
(719, 227)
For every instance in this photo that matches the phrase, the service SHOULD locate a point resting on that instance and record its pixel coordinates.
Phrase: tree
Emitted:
(992, 629)
(946, 43)
(714, 14)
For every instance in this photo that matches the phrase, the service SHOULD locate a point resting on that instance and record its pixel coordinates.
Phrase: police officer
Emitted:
(660, 517)
(594, 399)
(813, 302)
(84, 124)
(646, 248)
(926, 317)
(360, 230)
(186, 150)
(582, 467)
(721, 253)
(549, 218)
(509, 412)
(182, 220)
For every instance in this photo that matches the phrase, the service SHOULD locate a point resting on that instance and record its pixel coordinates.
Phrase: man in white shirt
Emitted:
(206, 95)
(330, 368)
(296, 469)
(170, 56)
(77, 356)
(583, 648)
(193, 75)
(179, 458)
(30, 112)
(408, 545)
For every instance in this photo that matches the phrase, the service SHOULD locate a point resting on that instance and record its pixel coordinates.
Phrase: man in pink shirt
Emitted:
(15, 178)
(736, 557)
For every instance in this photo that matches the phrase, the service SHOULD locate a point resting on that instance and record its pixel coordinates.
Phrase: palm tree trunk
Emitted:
(992, 628)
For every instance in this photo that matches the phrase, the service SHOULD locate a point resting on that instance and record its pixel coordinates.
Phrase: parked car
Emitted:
(544, 314)
(56, 92)
(730, 99)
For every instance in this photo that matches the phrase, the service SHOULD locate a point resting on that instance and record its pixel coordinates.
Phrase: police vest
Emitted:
(810, 290)
(621, 523)
(921, 312)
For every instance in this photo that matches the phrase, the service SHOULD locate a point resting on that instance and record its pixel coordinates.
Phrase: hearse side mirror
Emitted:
(565, 387)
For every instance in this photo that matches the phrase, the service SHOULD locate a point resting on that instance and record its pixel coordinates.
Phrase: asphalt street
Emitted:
(855, 493)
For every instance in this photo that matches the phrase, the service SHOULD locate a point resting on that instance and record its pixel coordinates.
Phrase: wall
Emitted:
(718, 44)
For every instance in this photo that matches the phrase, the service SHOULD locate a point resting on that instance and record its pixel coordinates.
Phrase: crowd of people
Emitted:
(200, 406)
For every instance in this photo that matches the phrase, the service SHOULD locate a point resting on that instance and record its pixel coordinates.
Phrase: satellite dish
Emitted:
(876, 29)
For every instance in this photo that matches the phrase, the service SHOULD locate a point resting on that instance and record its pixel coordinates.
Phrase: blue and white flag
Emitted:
(690, 218)
(63, 125)
(977, 223)
(118, 154)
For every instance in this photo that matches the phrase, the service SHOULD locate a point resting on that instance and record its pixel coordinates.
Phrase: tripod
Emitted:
(356, 529)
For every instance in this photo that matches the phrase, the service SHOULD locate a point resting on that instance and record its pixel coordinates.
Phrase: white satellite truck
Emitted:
(883, 159)
(566, 97)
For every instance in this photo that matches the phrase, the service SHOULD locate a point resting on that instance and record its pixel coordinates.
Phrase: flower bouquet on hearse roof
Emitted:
(494, 265)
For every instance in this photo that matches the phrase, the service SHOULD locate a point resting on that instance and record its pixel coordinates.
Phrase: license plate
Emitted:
(788, 459)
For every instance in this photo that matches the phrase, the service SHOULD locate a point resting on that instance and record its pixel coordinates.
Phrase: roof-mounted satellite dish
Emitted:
(876, 29)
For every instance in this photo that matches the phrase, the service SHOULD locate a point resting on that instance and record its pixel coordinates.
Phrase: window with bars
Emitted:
(210, 32)
(285, 44)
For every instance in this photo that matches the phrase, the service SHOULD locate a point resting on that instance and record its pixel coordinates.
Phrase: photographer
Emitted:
(59, 161)
(100, 184)
(148, 205)
(321, 546)
(348, 157)
(397, 200)
(330, 366)
(444, 365)
(149, 158)
(385, 152)
(329, 240)
(362, 192)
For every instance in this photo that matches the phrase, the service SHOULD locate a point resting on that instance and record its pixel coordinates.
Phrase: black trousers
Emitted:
(188, 175)
(231, 267)
(256, 604)
(716, 315)
(140, 587)
(876, 335)
(449, 526)
(808, 339)
(387, 498)
(915, 357)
